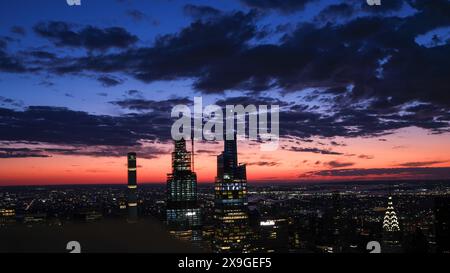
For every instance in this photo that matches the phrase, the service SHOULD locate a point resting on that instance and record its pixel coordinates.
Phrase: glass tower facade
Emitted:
(132, 188)
(183, 211)
(231, 212)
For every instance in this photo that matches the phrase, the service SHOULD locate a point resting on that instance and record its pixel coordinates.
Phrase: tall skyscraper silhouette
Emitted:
(231, 212)
(183, 211)
(132, 188)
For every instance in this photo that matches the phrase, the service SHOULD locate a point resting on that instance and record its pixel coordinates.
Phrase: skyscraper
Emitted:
(183, 212)
(391, 230)
(231, 212)
(132, 188)
(390, 221)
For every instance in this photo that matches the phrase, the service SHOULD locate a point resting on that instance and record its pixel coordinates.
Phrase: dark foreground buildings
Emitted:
(183, 212)
(442, 223)
(132, 189)
(230, 212)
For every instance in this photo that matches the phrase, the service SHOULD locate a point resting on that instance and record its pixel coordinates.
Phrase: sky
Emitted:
(363, 90)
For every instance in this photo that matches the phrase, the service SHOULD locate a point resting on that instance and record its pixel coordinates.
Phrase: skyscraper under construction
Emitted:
(132, 188)
(183, 211)
(231, 212)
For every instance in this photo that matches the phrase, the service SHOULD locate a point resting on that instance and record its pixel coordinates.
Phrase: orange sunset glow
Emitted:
(410, 147)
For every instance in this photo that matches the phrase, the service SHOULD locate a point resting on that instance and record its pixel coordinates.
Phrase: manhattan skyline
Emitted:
(363, 90)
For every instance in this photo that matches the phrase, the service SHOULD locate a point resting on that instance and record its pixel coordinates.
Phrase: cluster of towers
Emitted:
(183, 214)
(231, 233)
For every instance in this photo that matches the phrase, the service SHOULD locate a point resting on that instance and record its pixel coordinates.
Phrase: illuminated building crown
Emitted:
(390, 221)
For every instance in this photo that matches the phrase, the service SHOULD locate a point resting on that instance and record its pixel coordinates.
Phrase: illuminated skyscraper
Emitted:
(183, 212)
(390, 221)
(132, 188)
(231, 212)
(391, 230)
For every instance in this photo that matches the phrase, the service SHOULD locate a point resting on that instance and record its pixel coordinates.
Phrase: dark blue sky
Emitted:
(147, 20)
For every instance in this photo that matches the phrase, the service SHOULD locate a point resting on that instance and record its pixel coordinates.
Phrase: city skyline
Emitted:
(362, 90)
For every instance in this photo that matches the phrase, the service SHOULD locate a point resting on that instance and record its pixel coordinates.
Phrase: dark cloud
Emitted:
(62, 126)
(314, 150)
(200, 12)
(334, 143)
(10, 102)
(338, 164)
(11, 64)
(387, 173)
(252, 100)
(386, 6)
(41, 54)
(152, 105)
(200, 46)
(109, 81)
(334, 12)
(421, 163)
(139, 16)
(18, 30)
(284, 6)
(136, 15)
(46, 83)
(352, 123)
(341, 61)
(134, 93)
(366, 156)
(89, 37)
(218, 55)
(20, 153)
(263, 163)
(147, 152)
(209, 152)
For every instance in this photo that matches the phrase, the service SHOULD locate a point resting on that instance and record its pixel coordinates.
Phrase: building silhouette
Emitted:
(272, 235)
(230, 206)
(183, 213)
(442, 224)
(132, 188)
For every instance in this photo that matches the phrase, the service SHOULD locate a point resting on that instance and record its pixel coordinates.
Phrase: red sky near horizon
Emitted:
(114, 80)
(404, 151)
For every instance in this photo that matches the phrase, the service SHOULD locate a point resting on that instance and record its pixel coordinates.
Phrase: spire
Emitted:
(390, 221)
(192, 155)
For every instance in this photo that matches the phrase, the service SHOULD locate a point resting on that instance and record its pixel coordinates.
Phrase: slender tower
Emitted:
(391, 230)
(390, 221)
(183, 211)
(230, 211)
(132, 188)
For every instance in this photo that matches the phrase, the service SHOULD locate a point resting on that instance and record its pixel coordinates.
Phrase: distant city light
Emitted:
(267, 223)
